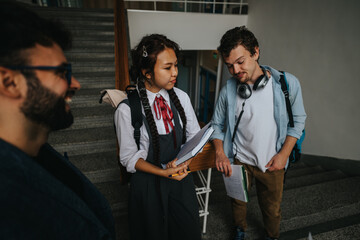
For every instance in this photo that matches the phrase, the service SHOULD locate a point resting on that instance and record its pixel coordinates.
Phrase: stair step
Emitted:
(312, 179)
(88, 21)
(89, 25)
(117, 196)
(345, 233)
(87, 75)
(341, 228)
(93, 37)
(120, 210)
(299, 172)
(102, 68)
(90, 91)
(101, 109)
(103, 63)
(319, 197)
(96, 81)
(86, 101)
(88, 147)
(88, 45)
(296, 165)
(114, 192)
(81, 135)
(91, 56)
(92, 122)
(74, 13)
(103, 176)
(96, 161)
(319, 217)
(85, 33)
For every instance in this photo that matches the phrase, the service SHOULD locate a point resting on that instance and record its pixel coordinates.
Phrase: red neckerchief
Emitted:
(161, 108)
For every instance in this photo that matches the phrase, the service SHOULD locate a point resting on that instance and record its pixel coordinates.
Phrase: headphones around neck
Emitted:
(244, 90)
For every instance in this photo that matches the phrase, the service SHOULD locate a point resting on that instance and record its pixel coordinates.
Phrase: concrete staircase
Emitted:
(323, 202)
(90, 142)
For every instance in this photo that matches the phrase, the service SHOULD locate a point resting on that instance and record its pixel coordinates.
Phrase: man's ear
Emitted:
(9, 83)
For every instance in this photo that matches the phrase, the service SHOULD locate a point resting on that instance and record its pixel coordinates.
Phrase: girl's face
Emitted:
(165, 71)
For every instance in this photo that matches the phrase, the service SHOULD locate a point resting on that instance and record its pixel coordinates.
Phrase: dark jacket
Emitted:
(49, 198)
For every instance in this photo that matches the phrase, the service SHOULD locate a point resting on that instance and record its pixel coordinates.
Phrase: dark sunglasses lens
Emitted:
(68, 74)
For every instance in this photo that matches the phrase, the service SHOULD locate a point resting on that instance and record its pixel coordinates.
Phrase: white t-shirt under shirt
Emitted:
(255, 140)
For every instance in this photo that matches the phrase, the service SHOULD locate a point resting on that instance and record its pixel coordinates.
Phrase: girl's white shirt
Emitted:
(128, 151)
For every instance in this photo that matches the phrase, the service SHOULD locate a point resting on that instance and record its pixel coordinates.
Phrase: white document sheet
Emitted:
(236, 184)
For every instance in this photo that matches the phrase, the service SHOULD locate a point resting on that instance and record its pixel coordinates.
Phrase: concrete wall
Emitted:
(192, 31)
(319, 42)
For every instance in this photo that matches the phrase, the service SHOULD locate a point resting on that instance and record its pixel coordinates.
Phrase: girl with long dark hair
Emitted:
(160, 206)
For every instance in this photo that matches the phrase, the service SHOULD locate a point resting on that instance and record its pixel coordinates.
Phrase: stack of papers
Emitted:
(237, 184)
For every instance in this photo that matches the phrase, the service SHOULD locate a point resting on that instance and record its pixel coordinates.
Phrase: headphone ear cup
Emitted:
(261, 81)
(244, 90)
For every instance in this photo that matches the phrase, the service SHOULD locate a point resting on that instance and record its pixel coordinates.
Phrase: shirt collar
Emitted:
(151, 96)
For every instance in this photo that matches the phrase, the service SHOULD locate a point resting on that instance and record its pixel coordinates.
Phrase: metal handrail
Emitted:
(60, 3)
(240, 3)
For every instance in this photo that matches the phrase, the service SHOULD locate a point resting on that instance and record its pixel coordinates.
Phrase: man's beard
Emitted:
(44, 107)
(243, 80)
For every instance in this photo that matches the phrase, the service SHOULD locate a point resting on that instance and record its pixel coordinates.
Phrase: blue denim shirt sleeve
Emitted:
(219, 116)
(297, 106)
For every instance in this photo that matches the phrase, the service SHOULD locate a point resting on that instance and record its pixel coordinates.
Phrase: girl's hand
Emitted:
(180, 171)
(171, 164)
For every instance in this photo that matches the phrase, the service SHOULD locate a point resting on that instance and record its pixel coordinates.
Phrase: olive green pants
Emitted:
(269, 187)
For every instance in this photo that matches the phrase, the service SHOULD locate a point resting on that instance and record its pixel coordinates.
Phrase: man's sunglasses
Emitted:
(64, 69)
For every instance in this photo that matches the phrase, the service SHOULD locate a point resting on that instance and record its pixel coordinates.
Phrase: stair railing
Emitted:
(205, 6)
(121, 47)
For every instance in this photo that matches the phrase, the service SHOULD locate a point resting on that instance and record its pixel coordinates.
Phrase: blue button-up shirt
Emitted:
(223, 120)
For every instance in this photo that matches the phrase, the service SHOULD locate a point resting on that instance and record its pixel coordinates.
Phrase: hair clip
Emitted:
(145, 54)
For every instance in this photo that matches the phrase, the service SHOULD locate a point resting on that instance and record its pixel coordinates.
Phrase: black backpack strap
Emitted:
(136, 113)
(287, 100)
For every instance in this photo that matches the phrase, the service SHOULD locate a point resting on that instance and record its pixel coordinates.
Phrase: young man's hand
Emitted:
(222, 161)
(277, 162)
(223, 164)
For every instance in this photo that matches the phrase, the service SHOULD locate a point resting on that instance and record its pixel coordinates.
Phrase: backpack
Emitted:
(136, 113)
(295, 154)
(115, 97)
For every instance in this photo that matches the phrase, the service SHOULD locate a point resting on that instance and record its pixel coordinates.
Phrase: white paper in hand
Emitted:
(236, 184)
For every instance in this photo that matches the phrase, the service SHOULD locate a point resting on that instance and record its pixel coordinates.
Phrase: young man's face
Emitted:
(48, 91)
(242, 65)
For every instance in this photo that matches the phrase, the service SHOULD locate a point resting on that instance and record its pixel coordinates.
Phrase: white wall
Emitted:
(192, 31)
(319, 42)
